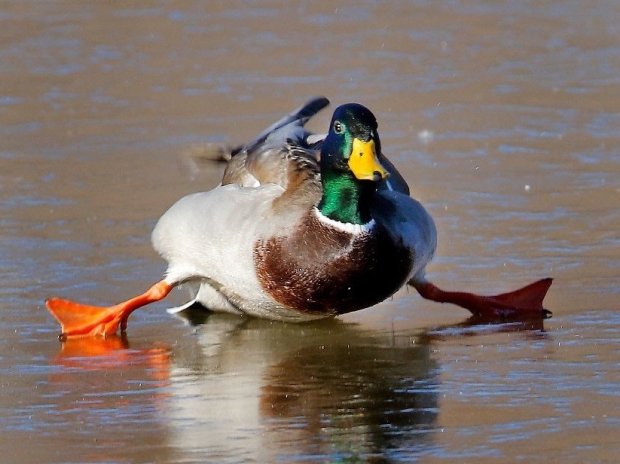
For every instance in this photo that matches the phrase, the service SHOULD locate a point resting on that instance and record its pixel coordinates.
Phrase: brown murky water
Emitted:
(503, 116)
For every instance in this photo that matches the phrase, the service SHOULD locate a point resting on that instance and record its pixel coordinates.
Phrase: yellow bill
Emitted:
(364, 163)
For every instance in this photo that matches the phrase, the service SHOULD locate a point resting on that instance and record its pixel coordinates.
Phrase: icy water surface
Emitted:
(503, 116)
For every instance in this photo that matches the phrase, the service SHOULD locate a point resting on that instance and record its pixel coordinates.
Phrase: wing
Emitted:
(395, 182)
(280, 154)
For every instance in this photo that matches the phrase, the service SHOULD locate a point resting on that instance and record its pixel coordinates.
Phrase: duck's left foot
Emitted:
(526, 302)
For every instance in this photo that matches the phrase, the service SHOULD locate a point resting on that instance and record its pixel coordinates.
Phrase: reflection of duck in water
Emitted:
(273, 390)
(297, 234)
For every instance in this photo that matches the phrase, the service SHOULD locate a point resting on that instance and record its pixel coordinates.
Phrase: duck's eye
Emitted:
(338, 129)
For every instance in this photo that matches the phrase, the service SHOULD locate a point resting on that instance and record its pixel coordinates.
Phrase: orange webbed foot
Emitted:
(526, 302)
(79, 320)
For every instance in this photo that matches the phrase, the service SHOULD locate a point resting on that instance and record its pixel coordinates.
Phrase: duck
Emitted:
(303, 226)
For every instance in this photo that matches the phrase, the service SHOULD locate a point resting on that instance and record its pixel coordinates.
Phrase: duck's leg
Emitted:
(78, 320)
(525, 302)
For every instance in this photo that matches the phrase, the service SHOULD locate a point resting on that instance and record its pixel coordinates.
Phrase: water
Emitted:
(502, 116)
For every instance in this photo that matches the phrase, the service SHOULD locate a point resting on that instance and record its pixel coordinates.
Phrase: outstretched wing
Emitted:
(290, 127)
(282, 154)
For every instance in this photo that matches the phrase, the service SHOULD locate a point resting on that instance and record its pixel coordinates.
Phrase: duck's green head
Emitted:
(352, 144)
(350, 167)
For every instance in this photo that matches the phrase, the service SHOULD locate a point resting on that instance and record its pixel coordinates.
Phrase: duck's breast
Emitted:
(323, 270)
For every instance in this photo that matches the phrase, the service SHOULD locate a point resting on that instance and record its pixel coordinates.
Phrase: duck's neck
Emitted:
(345, 199)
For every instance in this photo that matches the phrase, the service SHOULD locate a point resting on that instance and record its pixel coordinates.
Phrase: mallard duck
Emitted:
(301, 227)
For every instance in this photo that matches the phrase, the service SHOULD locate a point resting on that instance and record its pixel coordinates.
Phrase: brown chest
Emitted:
(324, 270)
